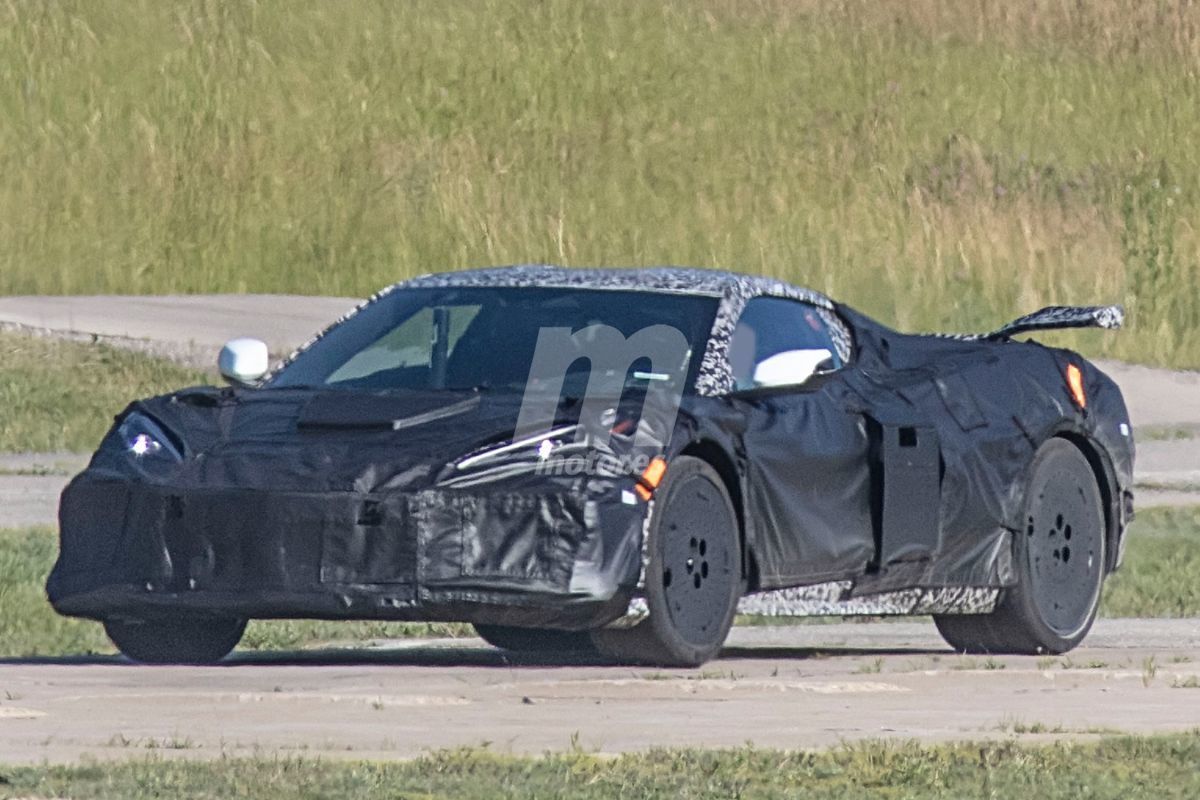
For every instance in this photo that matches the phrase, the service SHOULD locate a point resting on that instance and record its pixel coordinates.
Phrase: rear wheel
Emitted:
(694, 574)
(1060, 557)
(178, 641)
(535, 640)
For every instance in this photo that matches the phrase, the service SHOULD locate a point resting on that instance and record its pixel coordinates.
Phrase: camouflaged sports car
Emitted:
(610, 459)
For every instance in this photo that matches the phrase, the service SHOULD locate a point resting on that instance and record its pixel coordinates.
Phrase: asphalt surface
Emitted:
(785, 686)
(187, 328)
(801, 686)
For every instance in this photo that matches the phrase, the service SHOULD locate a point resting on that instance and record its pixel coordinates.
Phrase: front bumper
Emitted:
(552, 558)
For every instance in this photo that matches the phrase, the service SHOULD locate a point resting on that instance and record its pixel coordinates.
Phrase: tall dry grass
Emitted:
(943, 165)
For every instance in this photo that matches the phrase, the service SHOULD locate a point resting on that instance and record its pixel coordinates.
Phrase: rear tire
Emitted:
(1060, 561)
(694, 575)
(539, 641)
(178, 641)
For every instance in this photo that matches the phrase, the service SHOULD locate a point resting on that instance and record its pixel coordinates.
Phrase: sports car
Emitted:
(619, 460)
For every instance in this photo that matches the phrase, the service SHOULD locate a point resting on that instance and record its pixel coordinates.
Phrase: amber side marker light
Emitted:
(651, 477)
(1075, 384)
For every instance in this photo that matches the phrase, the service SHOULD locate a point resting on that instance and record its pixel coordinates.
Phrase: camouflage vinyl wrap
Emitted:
(735, 290)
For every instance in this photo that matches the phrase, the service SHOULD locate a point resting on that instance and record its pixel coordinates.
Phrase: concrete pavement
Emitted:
(30, 484)
(189, 328)
(799, 686)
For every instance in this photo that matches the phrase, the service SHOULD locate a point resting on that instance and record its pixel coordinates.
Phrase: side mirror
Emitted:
(791, 367)
(243, 361)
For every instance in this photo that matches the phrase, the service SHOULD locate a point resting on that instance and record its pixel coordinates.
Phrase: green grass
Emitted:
(59, 395)
(1161, 578)
(1116, 768)
(296, 634)
(1161, 574)
(28, 625)
(941, 165)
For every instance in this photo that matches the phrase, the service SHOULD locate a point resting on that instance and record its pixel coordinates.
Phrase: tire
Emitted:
(1059, 559)
(179, 641)
(536, 641)
(693, 577)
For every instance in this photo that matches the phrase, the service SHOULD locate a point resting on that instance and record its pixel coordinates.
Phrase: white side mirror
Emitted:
(790, 368)
(243, 361)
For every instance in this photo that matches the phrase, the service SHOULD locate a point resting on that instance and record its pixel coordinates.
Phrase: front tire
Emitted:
(693, 577)
(1060, 561)
(178, 641)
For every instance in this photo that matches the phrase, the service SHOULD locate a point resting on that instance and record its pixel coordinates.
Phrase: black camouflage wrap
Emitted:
(734, 289)
(893, 485)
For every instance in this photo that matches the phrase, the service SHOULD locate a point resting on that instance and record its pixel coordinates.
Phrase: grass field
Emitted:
(1124, 768)
(62, 396)
(30, 627)
(1161, 578)
(942, 165)
(1161, 573)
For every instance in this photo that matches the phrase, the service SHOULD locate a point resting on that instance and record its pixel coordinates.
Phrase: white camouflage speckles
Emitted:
(1109, 317)
(796, 601)
(833, 599)
(634, 613)
(957, 600)
(715, 377)
(1049, 318)
(733, 289)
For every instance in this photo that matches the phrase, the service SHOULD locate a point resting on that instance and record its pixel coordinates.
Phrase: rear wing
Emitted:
(1055, 317)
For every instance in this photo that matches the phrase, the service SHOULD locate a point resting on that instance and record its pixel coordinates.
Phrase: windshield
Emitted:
(486, 338)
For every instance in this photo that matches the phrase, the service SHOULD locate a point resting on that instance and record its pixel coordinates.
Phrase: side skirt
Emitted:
(833, 599)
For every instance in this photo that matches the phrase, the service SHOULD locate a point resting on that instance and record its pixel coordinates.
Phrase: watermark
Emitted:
(606, 440)
(594, 462)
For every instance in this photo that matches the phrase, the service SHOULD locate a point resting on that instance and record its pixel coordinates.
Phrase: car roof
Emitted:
(683, 280)
(733, 289)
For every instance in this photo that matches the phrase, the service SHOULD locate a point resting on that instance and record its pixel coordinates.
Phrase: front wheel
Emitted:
(1060, 558)
(693, 575)
(178, 641)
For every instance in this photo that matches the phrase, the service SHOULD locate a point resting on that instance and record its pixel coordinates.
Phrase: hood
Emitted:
(342, 441)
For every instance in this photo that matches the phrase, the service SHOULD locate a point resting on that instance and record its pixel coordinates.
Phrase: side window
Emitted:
(780, 342)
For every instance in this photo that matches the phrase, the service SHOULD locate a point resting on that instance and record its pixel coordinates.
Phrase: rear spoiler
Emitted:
(1055, 317)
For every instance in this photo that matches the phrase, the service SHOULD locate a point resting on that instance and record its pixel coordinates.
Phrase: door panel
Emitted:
(808, 457)
(808, 486)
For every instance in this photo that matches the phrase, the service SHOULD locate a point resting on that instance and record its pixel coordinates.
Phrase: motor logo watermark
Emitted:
(609, 438)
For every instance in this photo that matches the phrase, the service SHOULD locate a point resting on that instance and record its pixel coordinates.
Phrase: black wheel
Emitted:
(1060, 558)
(177, 641)
(535, 640)
(694, 574)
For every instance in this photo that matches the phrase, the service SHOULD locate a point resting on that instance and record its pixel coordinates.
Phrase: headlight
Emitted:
(144, 438)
